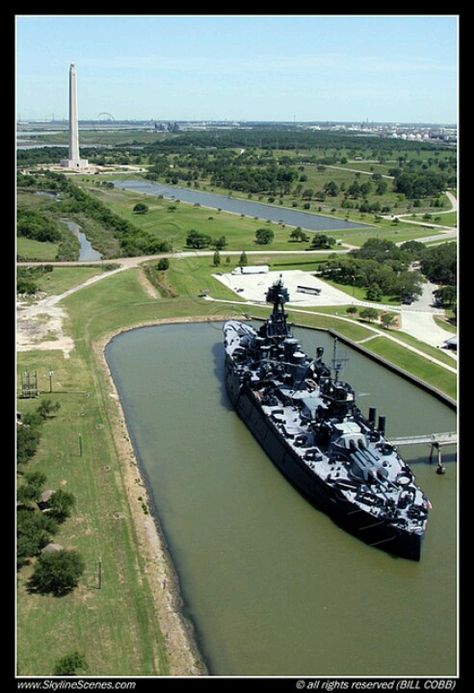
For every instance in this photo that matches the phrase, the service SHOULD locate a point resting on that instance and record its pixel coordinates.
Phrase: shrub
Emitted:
(140, 208)
(163, 264)
(69, 664)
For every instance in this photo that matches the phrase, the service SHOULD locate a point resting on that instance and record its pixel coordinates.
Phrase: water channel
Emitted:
(86, 251)
(313, 222)
(273, 586)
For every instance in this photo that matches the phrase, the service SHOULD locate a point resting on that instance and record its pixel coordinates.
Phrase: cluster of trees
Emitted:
(439, 263)
(37, 522)
(271, 136)
(27, 278)
(384, 268)
(133, 240)
(420, 183)
(37, 225)
(321, 241)
(379, 266)
(372, 315)
(196, 239)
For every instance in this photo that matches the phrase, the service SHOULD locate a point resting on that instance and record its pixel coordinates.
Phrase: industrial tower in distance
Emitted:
(74, 161)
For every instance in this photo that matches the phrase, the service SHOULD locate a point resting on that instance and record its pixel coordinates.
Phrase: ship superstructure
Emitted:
(308, 422)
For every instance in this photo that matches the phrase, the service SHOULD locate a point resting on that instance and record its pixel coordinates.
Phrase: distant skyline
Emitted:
(279, 67)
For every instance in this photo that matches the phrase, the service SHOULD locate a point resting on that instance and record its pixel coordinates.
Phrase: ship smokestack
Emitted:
(381, 426)
(372, 416)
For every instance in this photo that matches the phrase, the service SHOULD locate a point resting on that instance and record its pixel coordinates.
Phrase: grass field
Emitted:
(170, 224)
(28, 249)
(63, 278)
(414, 364)
(113, 627)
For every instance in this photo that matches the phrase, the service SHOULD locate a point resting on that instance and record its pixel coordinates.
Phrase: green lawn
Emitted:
(448, 326)
(170, 224)
(63, 278)
(449, 219)
(114, 626)
(28, 249)
(429, 372)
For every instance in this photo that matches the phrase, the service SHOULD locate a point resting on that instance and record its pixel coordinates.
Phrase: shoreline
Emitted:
(185, 658)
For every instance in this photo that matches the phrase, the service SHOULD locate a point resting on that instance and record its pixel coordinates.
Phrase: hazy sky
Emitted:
(240, 67)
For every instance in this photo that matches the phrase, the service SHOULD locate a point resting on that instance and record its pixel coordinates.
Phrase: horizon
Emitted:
(282, 68)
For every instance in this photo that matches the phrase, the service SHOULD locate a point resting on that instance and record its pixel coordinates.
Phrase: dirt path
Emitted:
(39, 325)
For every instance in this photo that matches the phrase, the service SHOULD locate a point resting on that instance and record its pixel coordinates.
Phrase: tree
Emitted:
(446, 295)
(32, 489)
(217, 258)
(27, 440)
(374, 293)
(140, 208)
(60, 505)
(264, 236)
(34, 531)
(69, 664)
(195, 239)
(352, 310)
(331, 188)
(220, 243)
(387, 319)
(369, 314)
(299, 235)
(321, 241)
(47, 408)
(243, 259)
(57, 573)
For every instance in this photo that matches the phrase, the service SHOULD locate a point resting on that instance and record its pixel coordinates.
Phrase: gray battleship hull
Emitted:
(346, 514)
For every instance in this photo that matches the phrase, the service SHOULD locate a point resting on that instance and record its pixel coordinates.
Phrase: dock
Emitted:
(435, 440)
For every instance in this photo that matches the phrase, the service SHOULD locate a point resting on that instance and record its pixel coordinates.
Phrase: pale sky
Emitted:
(342, 68)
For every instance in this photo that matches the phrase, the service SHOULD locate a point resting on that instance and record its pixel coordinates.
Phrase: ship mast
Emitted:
(276, 324)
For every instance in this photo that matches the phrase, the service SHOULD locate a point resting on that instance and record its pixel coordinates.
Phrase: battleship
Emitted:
(307, 421)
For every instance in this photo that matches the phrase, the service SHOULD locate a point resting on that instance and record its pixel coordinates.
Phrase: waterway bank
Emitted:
(236, 205)
(178, 631)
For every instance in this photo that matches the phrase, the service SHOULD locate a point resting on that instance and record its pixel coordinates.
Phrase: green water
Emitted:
(273, 586)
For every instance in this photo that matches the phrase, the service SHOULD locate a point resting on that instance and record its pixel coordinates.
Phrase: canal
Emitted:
(313, 222)
(273, 586)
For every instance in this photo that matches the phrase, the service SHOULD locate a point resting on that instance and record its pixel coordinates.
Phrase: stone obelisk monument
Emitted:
(74, 161)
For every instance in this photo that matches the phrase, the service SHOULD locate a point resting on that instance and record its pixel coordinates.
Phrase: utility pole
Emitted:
(80, 445)
(50, 379)
(100, 573)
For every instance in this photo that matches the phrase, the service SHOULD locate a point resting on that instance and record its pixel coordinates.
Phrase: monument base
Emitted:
(75, 164)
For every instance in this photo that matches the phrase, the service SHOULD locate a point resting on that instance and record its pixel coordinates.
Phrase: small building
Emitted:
(251, 269)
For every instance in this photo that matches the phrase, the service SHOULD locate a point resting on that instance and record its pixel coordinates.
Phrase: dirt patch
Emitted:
(147, 285)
